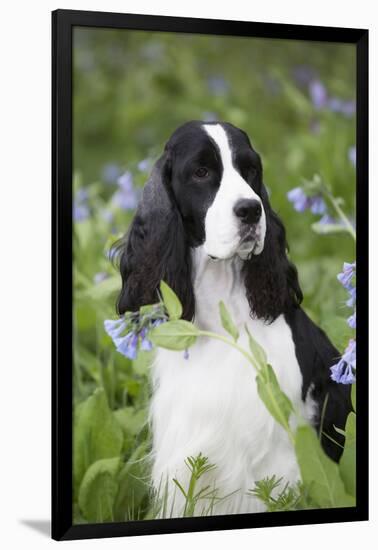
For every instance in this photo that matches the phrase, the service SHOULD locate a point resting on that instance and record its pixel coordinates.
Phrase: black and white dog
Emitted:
(205, 226)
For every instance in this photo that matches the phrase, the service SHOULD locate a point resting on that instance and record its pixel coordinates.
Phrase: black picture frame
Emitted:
(63, 22)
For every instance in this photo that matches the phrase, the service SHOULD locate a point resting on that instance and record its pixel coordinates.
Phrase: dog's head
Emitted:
(216, 181)
(207, 189)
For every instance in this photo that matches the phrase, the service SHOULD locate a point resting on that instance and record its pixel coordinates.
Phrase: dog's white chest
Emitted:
(209, 403)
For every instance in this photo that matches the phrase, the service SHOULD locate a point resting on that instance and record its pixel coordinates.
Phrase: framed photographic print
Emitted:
(210, 191)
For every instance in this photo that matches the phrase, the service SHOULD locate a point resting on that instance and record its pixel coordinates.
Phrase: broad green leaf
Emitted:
(171, 301)
(98, 490)
(142, 362)
(227, 322)
(174, 335)
(348, 459)
(103, 290)
(275, 400)
(97, 434)
(133, 487)
(328, 228)
(258, 351)
(84, 232)
(319, 473)
(131, 422)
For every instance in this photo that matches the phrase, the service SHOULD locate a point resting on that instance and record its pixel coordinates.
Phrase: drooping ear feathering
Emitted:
(155, 248)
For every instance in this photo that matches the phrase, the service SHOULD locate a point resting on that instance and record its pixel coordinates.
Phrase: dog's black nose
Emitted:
(248, 210)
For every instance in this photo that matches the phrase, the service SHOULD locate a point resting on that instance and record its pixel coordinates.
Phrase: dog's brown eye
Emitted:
(201, 172)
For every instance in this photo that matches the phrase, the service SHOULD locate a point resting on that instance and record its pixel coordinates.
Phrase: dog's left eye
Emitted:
(201, 172)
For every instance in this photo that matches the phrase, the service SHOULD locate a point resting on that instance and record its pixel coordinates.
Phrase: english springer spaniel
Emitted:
(205, 226)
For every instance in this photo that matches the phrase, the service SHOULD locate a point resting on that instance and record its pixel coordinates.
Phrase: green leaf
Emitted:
(132, 422)
(171, 301)
(328, 228)
(103, 290)
(98, 490)
(133, 487)
(258, 351)
(97, 434)
(319, 473)
(337, 330)
(174, 335)
(275, 400)
(227, 322)
(348, 459)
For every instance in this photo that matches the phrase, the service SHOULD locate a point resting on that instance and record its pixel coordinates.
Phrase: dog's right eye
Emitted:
(201, 172)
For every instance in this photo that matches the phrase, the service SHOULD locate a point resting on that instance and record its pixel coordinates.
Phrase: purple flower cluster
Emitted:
(347, 275)
(218, 85)
(321, 100)
(126, 197)
(80, 206)
(301, 201)
(111, 172)
(100, 277)
(144, 165)
(343, 371)
(130, 332)
(352, 155)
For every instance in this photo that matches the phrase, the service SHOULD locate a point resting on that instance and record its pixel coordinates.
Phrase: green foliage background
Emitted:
(131, 90)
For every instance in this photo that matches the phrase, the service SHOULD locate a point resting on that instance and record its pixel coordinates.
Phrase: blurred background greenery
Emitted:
(296, 101)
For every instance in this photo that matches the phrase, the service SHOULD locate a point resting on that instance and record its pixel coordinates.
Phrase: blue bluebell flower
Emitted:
(318, 205)
(303, 74)
(145, 343)
(144, 165)
(130, 333)
(352, 320)
(125, 181)
(347, 274)
(128, 346)
(352, 298)
(348, 108)
(326, 219)
(302, 202)
(126, 197)
(111, 172)
(99, 277)
(80, 211)
(337, 105)
(82, 195)
(218, 85)
(186, 354)
(352, 155)
(343, 371)
(299, 199)
(209, 116)
(318, 94)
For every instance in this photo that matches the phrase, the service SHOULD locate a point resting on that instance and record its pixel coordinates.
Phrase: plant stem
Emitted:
(247, 355)
(341, 214)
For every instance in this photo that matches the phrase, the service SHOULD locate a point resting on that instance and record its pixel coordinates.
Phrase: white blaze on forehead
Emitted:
(222, 227)
(218, 134)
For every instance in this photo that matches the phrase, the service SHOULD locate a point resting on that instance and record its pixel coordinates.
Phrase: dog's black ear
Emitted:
(155, 247)
(271, 280)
